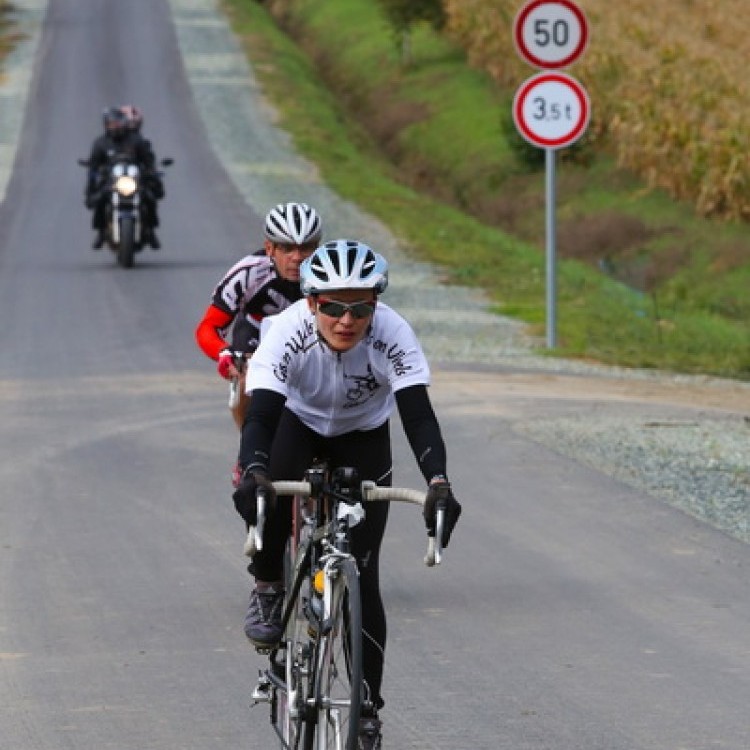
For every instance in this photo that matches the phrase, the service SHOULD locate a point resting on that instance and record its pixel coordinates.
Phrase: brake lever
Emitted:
(435, 543)
(234, 392)
(254, 541)
(234, 384)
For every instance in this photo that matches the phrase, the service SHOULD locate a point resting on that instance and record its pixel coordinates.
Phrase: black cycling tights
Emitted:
(295, 446)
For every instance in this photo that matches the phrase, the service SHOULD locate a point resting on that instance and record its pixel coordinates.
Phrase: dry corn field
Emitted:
(668, 83)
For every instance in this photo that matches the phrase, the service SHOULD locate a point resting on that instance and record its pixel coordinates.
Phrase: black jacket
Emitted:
(133, 146)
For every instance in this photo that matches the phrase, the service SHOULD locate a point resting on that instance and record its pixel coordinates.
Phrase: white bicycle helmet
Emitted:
(343, 264)
(293, 224)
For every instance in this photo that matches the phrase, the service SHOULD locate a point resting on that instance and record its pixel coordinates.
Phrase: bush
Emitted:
(402, 15)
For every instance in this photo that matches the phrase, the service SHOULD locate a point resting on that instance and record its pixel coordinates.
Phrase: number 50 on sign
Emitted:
(550, 33)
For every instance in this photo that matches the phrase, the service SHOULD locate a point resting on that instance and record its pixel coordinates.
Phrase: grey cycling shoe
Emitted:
(370, 737)
(263, 619)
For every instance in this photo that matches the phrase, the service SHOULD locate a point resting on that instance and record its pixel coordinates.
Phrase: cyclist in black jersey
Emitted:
(260, 284)
(325, 379)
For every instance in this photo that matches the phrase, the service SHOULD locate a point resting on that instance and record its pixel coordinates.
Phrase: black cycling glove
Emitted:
(245, 496)
(439, 495)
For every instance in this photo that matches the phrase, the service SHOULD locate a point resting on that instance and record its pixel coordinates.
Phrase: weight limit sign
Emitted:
(551, 110)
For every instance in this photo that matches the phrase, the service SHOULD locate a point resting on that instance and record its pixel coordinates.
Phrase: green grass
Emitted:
(371, 124)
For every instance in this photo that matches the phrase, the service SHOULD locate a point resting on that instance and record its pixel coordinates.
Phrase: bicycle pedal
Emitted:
(261, 695)
(263, 691)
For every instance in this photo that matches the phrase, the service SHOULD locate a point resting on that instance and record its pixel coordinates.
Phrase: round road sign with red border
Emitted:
(550, 34)
(551, 110)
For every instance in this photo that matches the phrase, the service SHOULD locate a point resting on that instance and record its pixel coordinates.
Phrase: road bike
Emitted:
(313, 681)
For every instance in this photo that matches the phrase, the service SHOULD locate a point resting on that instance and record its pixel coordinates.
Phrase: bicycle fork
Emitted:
(331, 565)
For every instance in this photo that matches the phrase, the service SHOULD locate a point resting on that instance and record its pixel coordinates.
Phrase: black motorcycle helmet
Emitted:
(133, 117)
(115, 123)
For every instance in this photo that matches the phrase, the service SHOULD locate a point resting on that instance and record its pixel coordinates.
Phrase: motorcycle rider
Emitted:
(117, 139)
(154, 185)
(261, 284)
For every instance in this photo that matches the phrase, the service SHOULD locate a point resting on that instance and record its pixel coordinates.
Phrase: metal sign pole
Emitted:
(551, 249)
(551, 110)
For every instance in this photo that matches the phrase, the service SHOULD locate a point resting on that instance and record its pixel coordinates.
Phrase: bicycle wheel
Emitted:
(338, 683)
(297, 653)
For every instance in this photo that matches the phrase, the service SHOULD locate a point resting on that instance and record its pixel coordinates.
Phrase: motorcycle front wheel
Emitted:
(126, 248)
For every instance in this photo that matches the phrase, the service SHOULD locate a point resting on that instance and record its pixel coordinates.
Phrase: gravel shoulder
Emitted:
(683, 440)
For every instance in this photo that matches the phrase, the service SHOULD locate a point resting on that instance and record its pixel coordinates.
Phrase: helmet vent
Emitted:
(297, 219)
(319, 270)
(351, 257)
(368, 263)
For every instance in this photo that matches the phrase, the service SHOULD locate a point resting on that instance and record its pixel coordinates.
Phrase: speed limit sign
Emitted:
(551, 110)
(550, 33)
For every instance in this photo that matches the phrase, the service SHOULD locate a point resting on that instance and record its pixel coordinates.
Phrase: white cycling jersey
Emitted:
(338, 392)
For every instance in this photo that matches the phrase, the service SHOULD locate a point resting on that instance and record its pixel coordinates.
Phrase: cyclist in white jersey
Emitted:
(325, 379)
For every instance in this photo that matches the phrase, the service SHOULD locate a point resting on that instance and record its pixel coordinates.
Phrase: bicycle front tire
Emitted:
(338, 684)
(290, 710)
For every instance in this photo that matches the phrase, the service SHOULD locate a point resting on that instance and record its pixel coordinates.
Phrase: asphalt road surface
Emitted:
(571, 612)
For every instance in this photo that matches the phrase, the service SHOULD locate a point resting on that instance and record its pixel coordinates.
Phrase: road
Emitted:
(572, 612)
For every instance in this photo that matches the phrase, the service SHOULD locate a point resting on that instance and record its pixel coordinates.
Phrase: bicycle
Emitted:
(314, 681)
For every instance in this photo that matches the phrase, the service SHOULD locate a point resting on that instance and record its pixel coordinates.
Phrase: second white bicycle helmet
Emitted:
(293, 224)
(343, 264)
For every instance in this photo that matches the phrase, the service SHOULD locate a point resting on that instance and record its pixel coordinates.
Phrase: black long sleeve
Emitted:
(422, 430)
(259, 428)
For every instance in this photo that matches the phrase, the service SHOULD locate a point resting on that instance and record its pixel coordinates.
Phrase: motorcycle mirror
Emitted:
(83, 162)
(167, 162)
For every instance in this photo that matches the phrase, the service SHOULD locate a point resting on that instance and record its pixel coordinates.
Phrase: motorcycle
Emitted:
(126, 219)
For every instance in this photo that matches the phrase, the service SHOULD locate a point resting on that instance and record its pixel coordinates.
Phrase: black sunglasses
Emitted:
(333, 309)
(306, 249)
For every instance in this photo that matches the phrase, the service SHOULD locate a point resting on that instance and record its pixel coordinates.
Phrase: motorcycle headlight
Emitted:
(126, 186)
